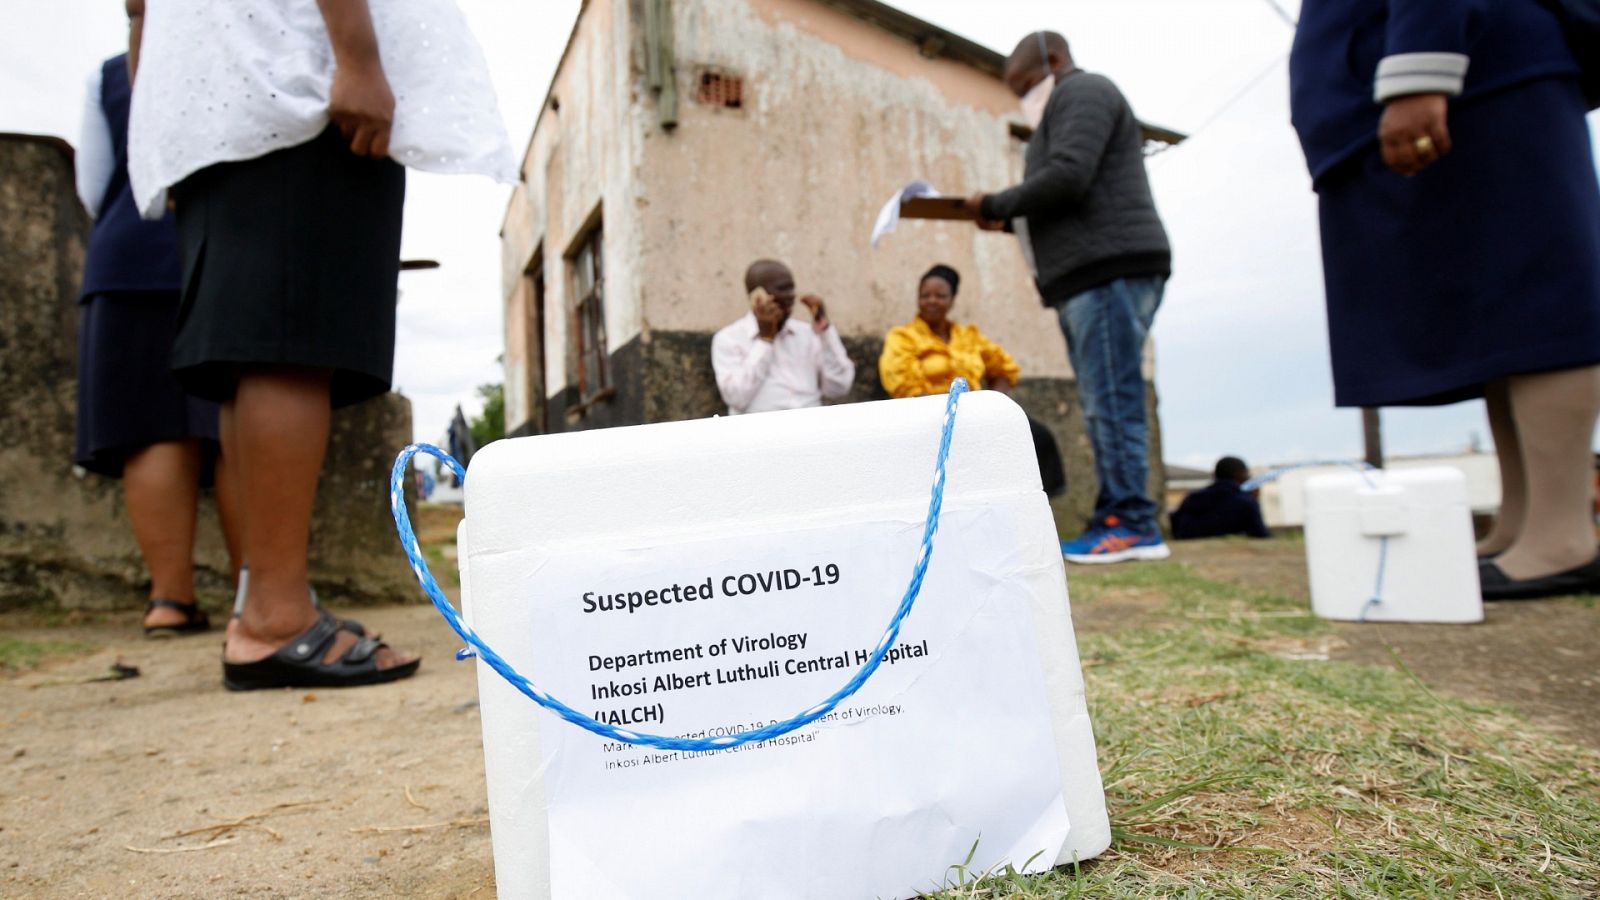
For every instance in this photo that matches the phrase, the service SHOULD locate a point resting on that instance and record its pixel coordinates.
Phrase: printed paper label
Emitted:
(948, 744)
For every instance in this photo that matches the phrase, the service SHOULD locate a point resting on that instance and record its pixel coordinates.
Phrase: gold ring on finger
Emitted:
(1424, 146)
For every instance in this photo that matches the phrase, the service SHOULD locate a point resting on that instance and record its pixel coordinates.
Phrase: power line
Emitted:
(1238, 95)
(1259, 77)
(1252, 83)
(1283, 14)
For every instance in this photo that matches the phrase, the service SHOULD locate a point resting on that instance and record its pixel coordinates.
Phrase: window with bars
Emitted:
(589, 316)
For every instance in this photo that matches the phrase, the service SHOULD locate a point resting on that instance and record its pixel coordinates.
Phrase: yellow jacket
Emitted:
(916, 362)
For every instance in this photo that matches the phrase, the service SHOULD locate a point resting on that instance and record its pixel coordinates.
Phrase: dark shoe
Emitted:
(1497, 585)
(355, 628)
(299, 663)
(194, 621)
(350, 625)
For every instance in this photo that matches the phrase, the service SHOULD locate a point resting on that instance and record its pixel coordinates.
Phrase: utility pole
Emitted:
(1372, 435)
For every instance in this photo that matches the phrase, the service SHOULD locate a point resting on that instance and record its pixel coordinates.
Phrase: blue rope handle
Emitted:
(408, 540)
(1376, 599)
(1366, 469)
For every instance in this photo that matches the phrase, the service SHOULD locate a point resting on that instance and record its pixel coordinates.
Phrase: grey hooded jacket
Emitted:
(1085, 194)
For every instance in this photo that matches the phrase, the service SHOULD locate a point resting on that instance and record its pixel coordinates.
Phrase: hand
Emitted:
(362, 106)
(769, 317)
(1409, 120)
(974, 207)
(135, 10)
(819, 313)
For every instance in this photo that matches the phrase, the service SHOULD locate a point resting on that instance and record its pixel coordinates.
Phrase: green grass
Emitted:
(18, 654)
(1234, 771)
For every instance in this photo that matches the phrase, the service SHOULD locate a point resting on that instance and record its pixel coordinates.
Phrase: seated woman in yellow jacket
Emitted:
(925, 355)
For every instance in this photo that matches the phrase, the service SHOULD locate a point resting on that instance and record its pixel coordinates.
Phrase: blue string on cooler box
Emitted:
(476, 645)
(1366, 469)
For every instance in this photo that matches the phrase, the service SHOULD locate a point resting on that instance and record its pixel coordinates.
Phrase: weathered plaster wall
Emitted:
(64, 537)
(838, 115)
(582, 163)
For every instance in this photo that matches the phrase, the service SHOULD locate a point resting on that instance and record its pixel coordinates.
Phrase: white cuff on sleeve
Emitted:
(1419, 73)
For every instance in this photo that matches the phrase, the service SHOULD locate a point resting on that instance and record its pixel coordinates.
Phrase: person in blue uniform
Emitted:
(1460, 218)
(134, 421)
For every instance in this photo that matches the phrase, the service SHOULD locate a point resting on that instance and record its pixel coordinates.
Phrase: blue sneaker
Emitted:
(1112, 542)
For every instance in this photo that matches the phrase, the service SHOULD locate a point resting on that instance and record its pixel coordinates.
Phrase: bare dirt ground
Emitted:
(167, 785)
(1541, 658)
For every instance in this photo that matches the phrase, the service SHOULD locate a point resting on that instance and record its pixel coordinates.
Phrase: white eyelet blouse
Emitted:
(227, 80)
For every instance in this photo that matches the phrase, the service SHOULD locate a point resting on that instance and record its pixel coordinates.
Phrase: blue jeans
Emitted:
(1106, 329)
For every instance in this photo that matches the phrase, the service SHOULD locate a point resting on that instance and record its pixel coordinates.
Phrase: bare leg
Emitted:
(1513, 478)
(230, 507)
(162, 485)
(279, 437)
(1555, 417)
(228, 510)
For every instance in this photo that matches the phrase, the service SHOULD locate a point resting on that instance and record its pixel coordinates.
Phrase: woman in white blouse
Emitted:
(281, 130)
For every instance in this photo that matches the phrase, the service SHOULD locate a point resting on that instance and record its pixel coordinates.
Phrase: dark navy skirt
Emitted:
(1485, 265)
(128, 398)
(293, 259)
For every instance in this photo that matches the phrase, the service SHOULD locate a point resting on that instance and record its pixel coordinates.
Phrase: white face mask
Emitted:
(1037, 100)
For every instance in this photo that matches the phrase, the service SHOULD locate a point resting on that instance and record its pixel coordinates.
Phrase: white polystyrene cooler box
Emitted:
(1430, 572)
(541, 505)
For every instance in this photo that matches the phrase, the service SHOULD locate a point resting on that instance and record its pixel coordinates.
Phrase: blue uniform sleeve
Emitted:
(1434, 26)
(1428, 47)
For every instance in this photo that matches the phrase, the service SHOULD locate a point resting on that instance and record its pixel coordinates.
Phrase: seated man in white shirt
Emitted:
(767, 361)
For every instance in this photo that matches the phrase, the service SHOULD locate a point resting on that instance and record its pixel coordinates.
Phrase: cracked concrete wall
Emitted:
(64, 537)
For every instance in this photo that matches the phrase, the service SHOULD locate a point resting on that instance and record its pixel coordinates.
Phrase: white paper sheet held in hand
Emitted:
(889, 216)
(670, 579)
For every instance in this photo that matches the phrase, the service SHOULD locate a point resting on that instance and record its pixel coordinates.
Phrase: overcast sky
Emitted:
(1241, 339)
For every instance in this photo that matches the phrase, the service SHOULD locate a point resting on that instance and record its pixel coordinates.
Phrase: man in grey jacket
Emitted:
(1089, 229)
